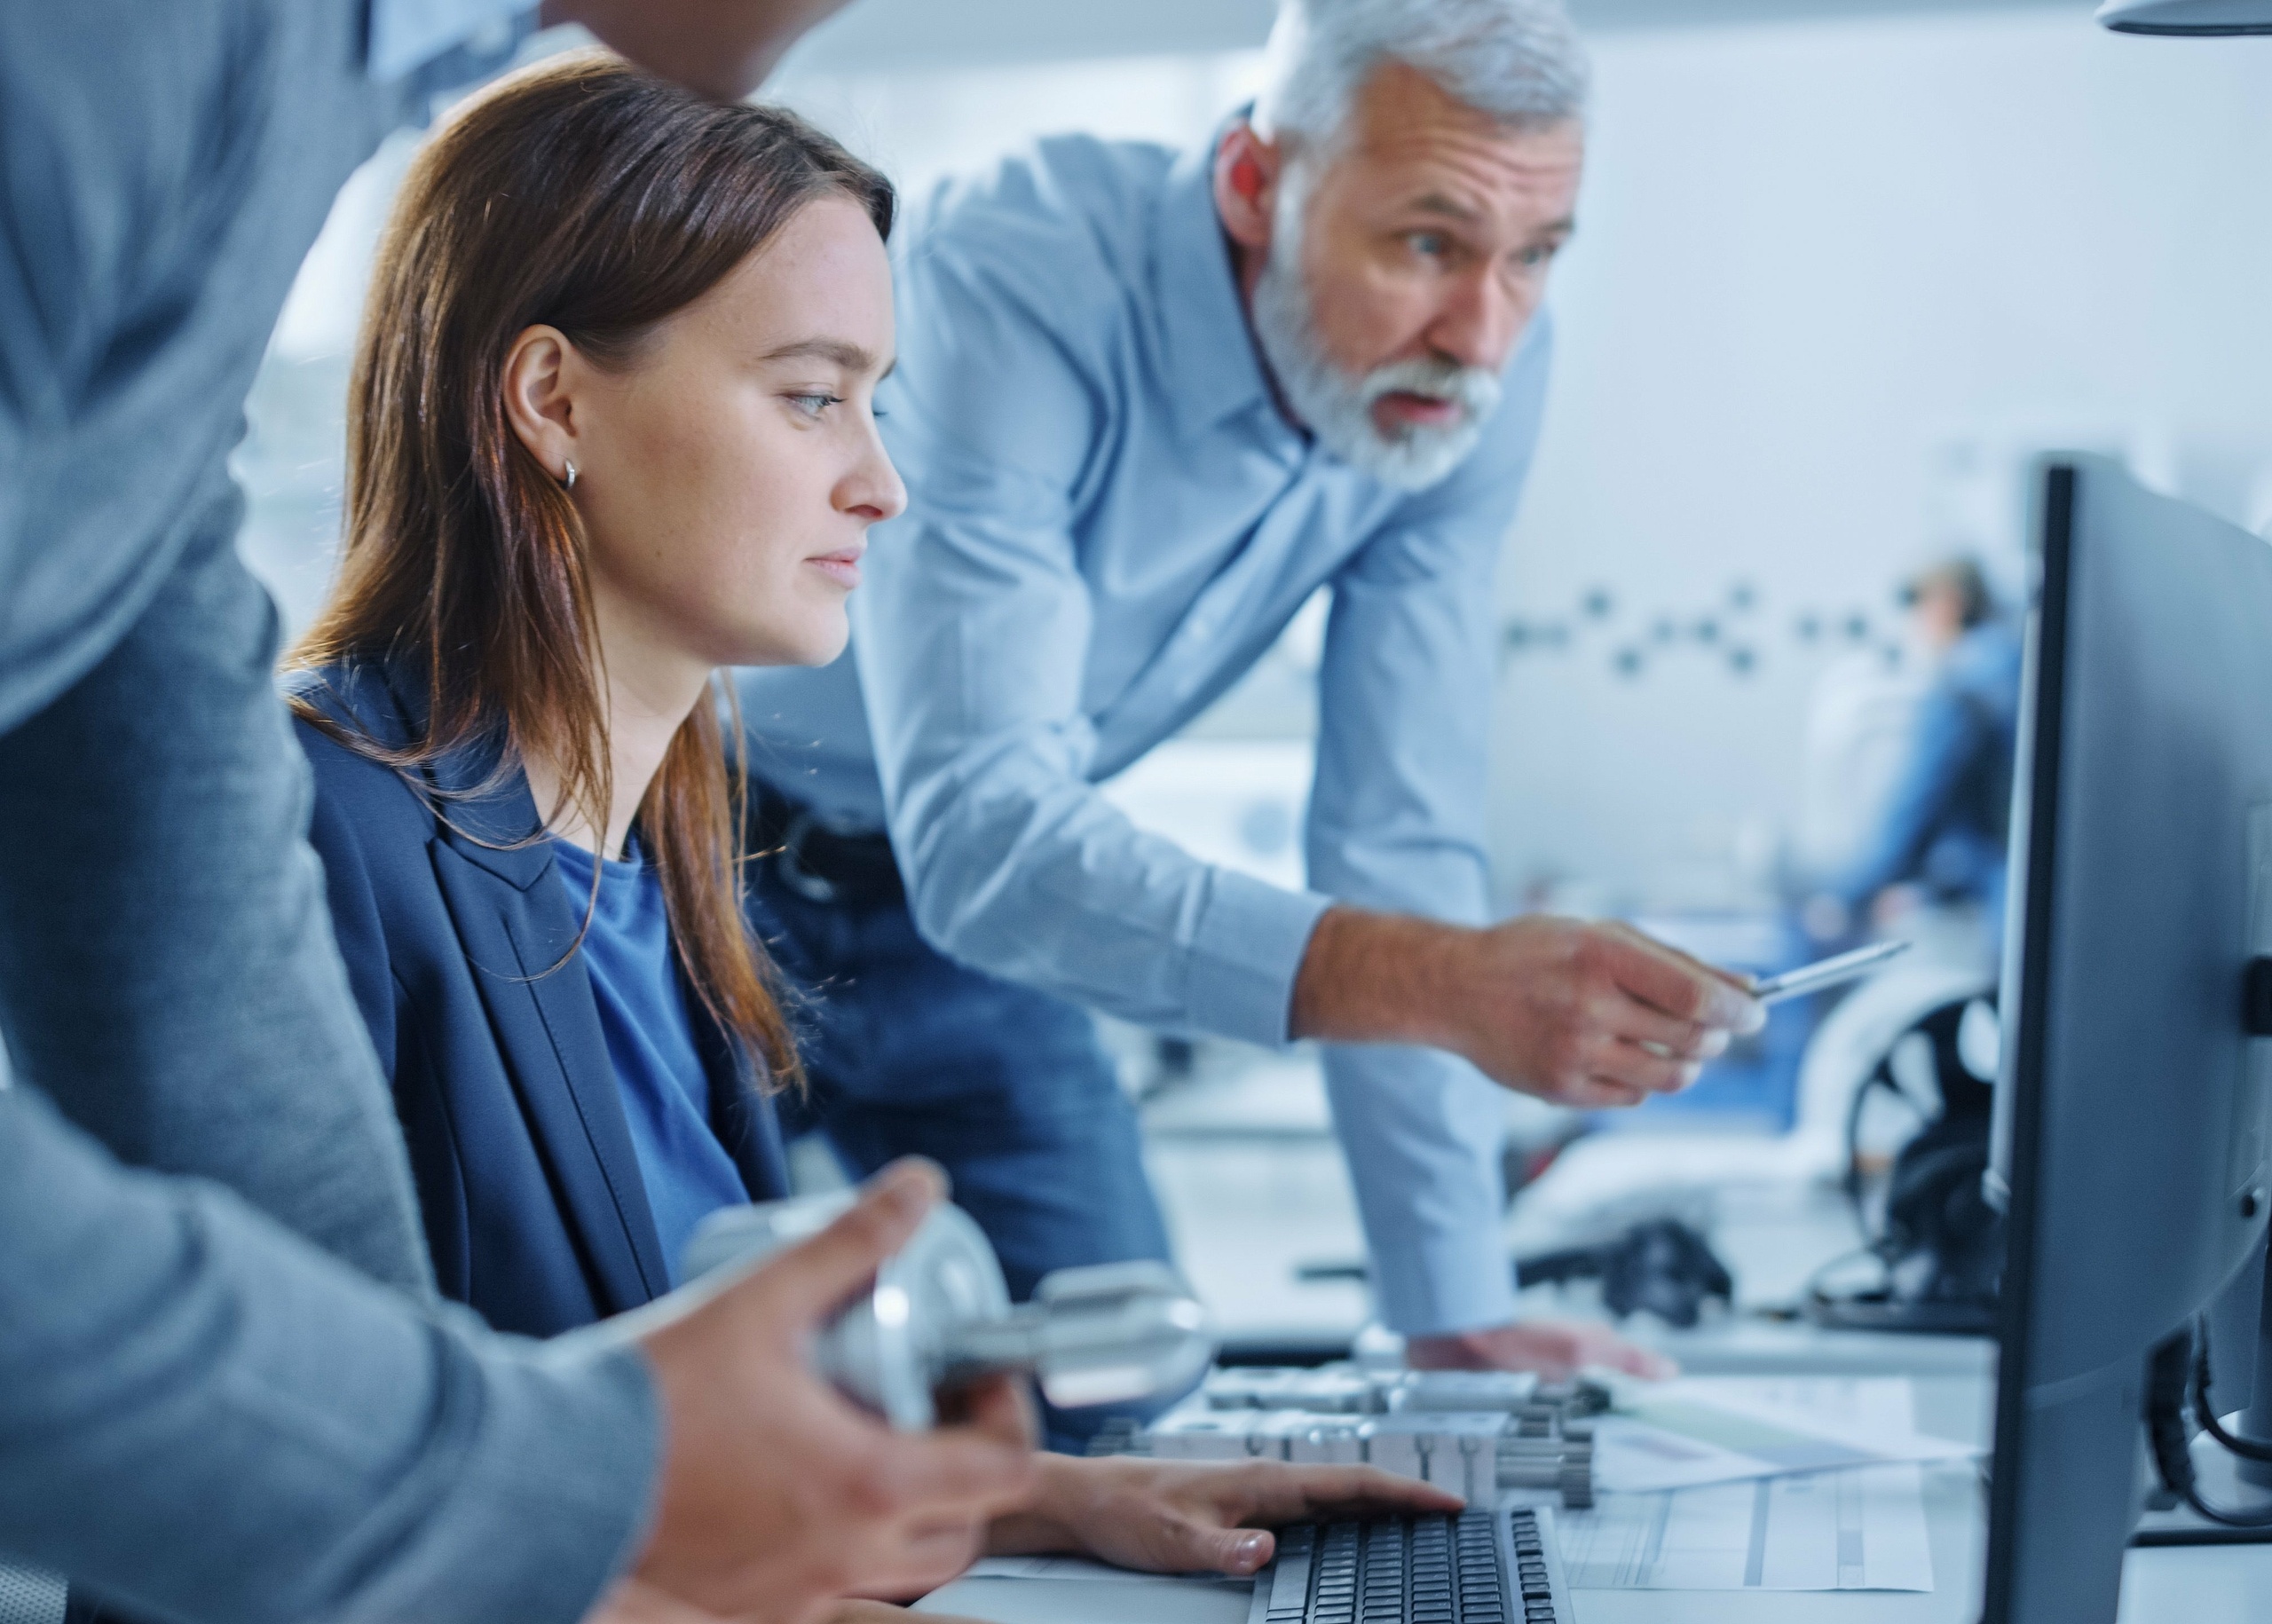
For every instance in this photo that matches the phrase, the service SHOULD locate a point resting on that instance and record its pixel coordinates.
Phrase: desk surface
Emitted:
(2202, 1584)
(1773, 1239)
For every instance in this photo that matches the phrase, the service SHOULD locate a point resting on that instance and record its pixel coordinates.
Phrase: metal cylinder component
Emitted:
(939, 1316)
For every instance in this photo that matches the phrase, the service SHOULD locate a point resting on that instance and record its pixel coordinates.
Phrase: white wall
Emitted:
(1820, 266)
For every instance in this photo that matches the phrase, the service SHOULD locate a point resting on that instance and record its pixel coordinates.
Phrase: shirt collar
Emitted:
(1209, 347)
(407, 34)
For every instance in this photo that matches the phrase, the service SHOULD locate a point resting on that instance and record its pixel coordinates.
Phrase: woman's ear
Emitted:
(539, 398)
(1246, 172)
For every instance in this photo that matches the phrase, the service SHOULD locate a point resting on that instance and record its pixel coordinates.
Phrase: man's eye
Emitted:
(1537, 258)
(1431, 245)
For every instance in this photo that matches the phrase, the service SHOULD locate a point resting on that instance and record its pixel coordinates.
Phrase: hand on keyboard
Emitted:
(1175, 1518)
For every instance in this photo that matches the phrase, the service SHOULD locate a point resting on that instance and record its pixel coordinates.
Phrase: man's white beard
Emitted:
(1338, 408)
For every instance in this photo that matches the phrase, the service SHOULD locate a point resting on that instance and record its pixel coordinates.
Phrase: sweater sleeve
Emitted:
(349, 1455)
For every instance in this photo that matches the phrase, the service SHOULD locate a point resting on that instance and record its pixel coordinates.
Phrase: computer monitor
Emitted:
(2131, 1115)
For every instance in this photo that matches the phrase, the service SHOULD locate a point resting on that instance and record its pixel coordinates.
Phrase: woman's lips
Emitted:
(843, 568)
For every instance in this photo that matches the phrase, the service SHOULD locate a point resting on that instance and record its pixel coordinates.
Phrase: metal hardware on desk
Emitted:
(1475, 1433)
(2198, 1585)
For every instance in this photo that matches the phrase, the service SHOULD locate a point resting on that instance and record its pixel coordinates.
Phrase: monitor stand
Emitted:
(2225, 1480)
(2221, 1485)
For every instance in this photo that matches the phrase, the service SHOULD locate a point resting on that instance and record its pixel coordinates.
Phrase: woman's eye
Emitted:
(813, 405)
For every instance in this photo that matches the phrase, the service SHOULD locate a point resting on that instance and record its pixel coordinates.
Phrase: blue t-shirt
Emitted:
(658, 1071)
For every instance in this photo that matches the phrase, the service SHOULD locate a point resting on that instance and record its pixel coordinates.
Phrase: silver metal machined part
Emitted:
(939, 1315)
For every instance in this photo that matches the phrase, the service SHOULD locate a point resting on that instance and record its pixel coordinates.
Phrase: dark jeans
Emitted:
(1006, 1088)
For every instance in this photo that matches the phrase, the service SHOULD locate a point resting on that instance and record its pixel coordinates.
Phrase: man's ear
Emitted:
(1248, 169)
(538, 401)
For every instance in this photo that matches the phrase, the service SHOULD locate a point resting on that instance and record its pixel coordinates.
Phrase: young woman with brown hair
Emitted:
(611, 431)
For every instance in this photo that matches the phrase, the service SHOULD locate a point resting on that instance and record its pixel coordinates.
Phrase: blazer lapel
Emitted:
(518, 925)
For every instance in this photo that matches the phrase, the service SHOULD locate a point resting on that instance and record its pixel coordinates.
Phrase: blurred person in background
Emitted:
(1939, 838)
(1148, 403)
(202, 1415)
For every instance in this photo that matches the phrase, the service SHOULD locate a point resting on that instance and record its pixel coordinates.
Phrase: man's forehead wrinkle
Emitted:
(1468, 168)
(1436, 203)
(1472, 188)
(1461, 149)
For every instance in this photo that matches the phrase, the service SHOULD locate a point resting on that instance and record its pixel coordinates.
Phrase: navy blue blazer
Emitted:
(534, 1203)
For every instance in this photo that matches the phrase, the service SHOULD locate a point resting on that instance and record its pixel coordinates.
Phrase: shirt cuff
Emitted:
(1245, 954)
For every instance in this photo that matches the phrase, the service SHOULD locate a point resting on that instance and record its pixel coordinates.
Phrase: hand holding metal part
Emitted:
(939, 1315)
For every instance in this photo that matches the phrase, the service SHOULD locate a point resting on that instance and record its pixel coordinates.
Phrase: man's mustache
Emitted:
(1473, 389)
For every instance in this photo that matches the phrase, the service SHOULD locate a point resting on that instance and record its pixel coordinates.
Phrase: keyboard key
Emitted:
(1289, 1587)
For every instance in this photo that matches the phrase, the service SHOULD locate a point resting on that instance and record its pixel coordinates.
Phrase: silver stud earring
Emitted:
(571, 481)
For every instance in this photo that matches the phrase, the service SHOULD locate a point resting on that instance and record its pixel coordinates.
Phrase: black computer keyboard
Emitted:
(1479, 1567)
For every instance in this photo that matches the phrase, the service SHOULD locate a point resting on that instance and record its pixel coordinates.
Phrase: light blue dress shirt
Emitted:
(1111, 521)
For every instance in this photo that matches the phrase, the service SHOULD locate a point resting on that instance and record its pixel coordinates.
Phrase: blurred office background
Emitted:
(1844, 269)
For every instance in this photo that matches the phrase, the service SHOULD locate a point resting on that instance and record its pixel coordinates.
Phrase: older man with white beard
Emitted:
(1147, 404)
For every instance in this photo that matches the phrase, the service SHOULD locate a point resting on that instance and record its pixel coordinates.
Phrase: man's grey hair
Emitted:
(1518, 61)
